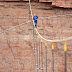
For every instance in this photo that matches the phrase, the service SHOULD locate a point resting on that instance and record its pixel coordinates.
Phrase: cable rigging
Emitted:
(31, 21)
(53, 55)
(46, 55)
(37, 51)
(40, 62)
(41, 57)
(52, 41)
(65, 51)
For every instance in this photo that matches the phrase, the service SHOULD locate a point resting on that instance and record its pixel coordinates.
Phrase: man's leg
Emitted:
(35, 24)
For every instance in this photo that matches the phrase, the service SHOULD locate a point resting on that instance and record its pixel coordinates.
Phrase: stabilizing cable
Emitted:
(53, 55)
(65, 50)
(46, 55)
(41, 56)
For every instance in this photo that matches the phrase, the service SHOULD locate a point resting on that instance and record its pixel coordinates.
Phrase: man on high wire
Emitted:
(35, 20)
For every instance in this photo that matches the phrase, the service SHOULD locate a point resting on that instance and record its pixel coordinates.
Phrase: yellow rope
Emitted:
(45, 43)
(65, 46)
(52, 45)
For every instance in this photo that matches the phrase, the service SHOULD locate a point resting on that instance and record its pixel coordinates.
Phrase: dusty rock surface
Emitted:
(59, 3)
(16, 45)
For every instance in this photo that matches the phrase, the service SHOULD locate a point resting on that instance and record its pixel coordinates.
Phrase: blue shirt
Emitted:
(35, 18)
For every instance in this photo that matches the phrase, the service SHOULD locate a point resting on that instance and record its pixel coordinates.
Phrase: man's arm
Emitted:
(37, 17)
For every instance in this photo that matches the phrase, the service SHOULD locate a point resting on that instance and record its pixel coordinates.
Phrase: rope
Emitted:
(14, 27)
(53, 59)
(46, 55)
(39, 53)
(30, 21)
(65, 62)
(43, 37)
(34, 45)
(35, 49)
(41, 56)
(66, 39)
(52, 45)
(34, 36)
(65, 50)
(53, 55)
(55, 16)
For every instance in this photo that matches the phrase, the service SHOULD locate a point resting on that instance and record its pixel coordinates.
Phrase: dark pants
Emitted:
(35, 22)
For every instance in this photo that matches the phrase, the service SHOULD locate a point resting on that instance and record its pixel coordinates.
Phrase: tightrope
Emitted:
(66, 39)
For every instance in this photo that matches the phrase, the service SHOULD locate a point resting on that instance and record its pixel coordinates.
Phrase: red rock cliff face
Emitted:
(16, 45)
(60, 3)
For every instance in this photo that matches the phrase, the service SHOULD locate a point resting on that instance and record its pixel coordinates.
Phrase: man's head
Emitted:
(35, 14)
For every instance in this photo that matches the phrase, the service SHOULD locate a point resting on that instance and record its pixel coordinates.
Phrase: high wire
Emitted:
(65, 47)
(31, 15)
(14, 27)
(53, 54)
(45, 38)
(31, 21)
(41, 17)
(55, 16)
(65, 39)
(34, 41)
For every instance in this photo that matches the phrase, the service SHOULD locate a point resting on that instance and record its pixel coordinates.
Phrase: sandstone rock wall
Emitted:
(16, 45)
(60, 3)
(17, 0)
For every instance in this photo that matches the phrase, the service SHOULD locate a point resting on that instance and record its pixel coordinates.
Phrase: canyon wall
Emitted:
(59, 3)
(16, 36)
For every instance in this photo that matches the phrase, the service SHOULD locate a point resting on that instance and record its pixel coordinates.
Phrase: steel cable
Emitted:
(46, 55)
(41, 56)
(53, 59)
(65, 62)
